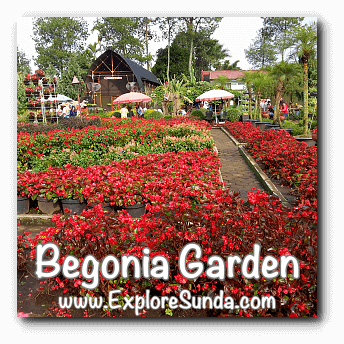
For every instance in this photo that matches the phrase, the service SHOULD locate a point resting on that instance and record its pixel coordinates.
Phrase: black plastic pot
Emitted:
(223, 116)
(136, 210)
(260, 125)
(73, 205)
(23, 205)
(272, 126)
(245, 117)
(105, 206)
(209, 116)
(48, 206)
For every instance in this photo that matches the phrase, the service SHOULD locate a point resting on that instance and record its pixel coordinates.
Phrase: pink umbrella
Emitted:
(132, 97)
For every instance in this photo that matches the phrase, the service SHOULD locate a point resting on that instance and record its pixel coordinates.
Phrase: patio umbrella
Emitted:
(214, 95)
(60, 98)
(132, 97)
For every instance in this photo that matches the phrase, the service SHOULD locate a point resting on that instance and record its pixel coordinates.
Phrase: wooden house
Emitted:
(116, 75)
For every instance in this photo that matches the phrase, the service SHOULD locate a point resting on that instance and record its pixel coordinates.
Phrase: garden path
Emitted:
(235, 172)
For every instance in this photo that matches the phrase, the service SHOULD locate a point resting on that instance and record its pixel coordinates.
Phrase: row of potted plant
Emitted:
(282, 157)
(222, 225)
(123, 183)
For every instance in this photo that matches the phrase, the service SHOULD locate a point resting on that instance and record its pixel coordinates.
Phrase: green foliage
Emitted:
(178, 62)
(153, 114)
(57, 38)
(23, 63)
(64, 85)
(122, 34)
(234, 114)
(198, 113)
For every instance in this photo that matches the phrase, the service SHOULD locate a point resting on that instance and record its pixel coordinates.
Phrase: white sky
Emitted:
(234, 33)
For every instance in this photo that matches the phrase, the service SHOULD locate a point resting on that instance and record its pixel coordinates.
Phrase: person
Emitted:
(271, 110)
(73, 111)
(139, 111)
(206, 105)
(284, 109)
(182, 112)
(124, 112)
(231, 103)
(65, 111)
(131, 112)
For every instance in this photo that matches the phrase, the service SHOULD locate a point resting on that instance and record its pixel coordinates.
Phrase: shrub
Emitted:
(234, 114)
(198, 113)
(153, 114)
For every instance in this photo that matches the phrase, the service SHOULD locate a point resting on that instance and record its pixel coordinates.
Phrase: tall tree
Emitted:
(23, 63)
(169, 27)
(305, 39)
(57, 38)
(261, 52)
(204, 25)
(123, 35)
(278, 28)
(207, 54)
(178, 62)
(64, 85)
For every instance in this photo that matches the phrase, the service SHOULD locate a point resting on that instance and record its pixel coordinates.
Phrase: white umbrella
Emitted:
(214, 95)
(60, 98)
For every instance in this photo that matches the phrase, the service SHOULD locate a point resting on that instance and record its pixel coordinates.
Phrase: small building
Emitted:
(114, 72)
(235, 77)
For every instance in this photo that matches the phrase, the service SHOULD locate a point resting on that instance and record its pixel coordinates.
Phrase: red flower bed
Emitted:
(222, 225)
(283, 157)
(122, 183)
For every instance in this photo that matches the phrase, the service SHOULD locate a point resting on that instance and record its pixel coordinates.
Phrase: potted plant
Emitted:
(27, 79)
(24, 188)
(315, 134)
(47, 199)
(39, 73)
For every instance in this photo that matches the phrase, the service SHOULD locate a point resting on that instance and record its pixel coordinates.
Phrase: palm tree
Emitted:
(283, 72)
(249, 80)
(259, 82)
(221, 81)
(306, 48)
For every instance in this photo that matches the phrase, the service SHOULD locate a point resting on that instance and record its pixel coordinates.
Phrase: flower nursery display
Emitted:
(171, 167)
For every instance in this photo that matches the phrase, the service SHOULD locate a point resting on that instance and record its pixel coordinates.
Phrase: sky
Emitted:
(234, 33)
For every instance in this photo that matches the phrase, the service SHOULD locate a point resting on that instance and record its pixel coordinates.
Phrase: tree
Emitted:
(284, 73)
(221, 81)
(278, 28)
(178, 62)
(226, 65)
(306, 47)
(123, 35)
(261, 52)
(204, 25)
(169, 27)
(64, 85)
(57, 38)
(23, 63)
(207, 51)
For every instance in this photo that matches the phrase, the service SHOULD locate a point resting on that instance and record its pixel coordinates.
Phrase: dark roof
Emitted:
(139, 72)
